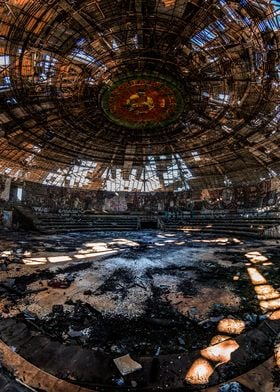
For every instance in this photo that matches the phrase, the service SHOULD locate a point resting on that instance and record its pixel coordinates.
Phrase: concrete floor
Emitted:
(130, 292)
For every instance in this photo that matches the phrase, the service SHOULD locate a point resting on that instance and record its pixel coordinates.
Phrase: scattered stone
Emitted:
(115, 349)
(181, 341)
(119, 381)
(9, 282)
(28, 315)
(68, 308)
(59, 283)
(231, 387)
(193, 311)
(252, 319)
(126, 364)
(6, 309)
(3, 267)
(57, 308)
(207, 323)
(277, 351)
(231, 326)
(77, 334)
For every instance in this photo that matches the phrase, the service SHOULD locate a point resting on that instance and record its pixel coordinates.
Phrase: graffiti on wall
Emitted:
(5, 187)
(56, 198)
(265, 194)
(51, 198)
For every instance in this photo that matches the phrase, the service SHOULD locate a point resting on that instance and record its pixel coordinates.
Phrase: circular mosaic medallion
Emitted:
(142, 102)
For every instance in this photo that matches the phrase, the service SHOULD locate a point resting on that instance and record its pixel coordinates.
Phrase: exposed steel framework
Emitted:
(56, 56)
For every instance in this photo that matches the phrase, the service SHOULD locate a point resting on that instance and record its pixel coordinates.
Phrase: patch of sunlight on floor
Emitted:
(35, 261)
(277, 354)
(89, 255)
(218, 339)
(59, 259)
(231, 326)
(266, 292)
(274, 315)
(98, 246)
(220, 352)
(124, 241)
(222, 241)
(256, 257)
(255, 276)
(159, 244)
(200, 372)
(272, 304)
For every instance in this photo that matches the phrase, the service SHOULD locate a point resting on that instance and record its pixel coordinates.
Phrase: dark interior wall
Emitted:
(266, 194)
(5, 214)
(56, 198)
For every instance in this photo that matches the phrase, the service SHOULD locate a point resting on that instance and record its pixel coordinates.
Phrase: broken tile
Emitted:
(126, 364)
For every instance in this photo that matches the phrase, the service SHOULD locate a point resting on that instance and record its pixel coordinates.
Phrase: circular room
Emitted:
(139, 196)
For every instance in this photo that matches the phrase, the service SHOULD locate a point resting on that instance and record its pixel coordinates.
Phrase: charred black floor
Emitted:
(87, 299)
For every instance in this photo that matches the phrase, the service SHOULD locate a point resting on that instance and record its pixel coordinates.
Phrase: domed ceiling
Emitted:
(140, 95)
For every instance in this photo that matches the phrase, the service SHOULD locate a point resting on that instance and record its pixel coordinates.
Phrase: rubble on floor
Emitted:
(126, 365)
(158, 289)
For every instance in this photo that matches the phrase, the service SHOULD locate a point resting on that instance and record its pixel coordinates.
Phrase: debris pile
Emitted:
(129, 305)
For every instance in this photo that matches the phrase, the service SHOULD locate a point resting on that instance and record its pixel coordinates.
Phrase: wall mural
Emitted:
(265, 194)
(51, 198)
(56, 199)
(5, 186)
